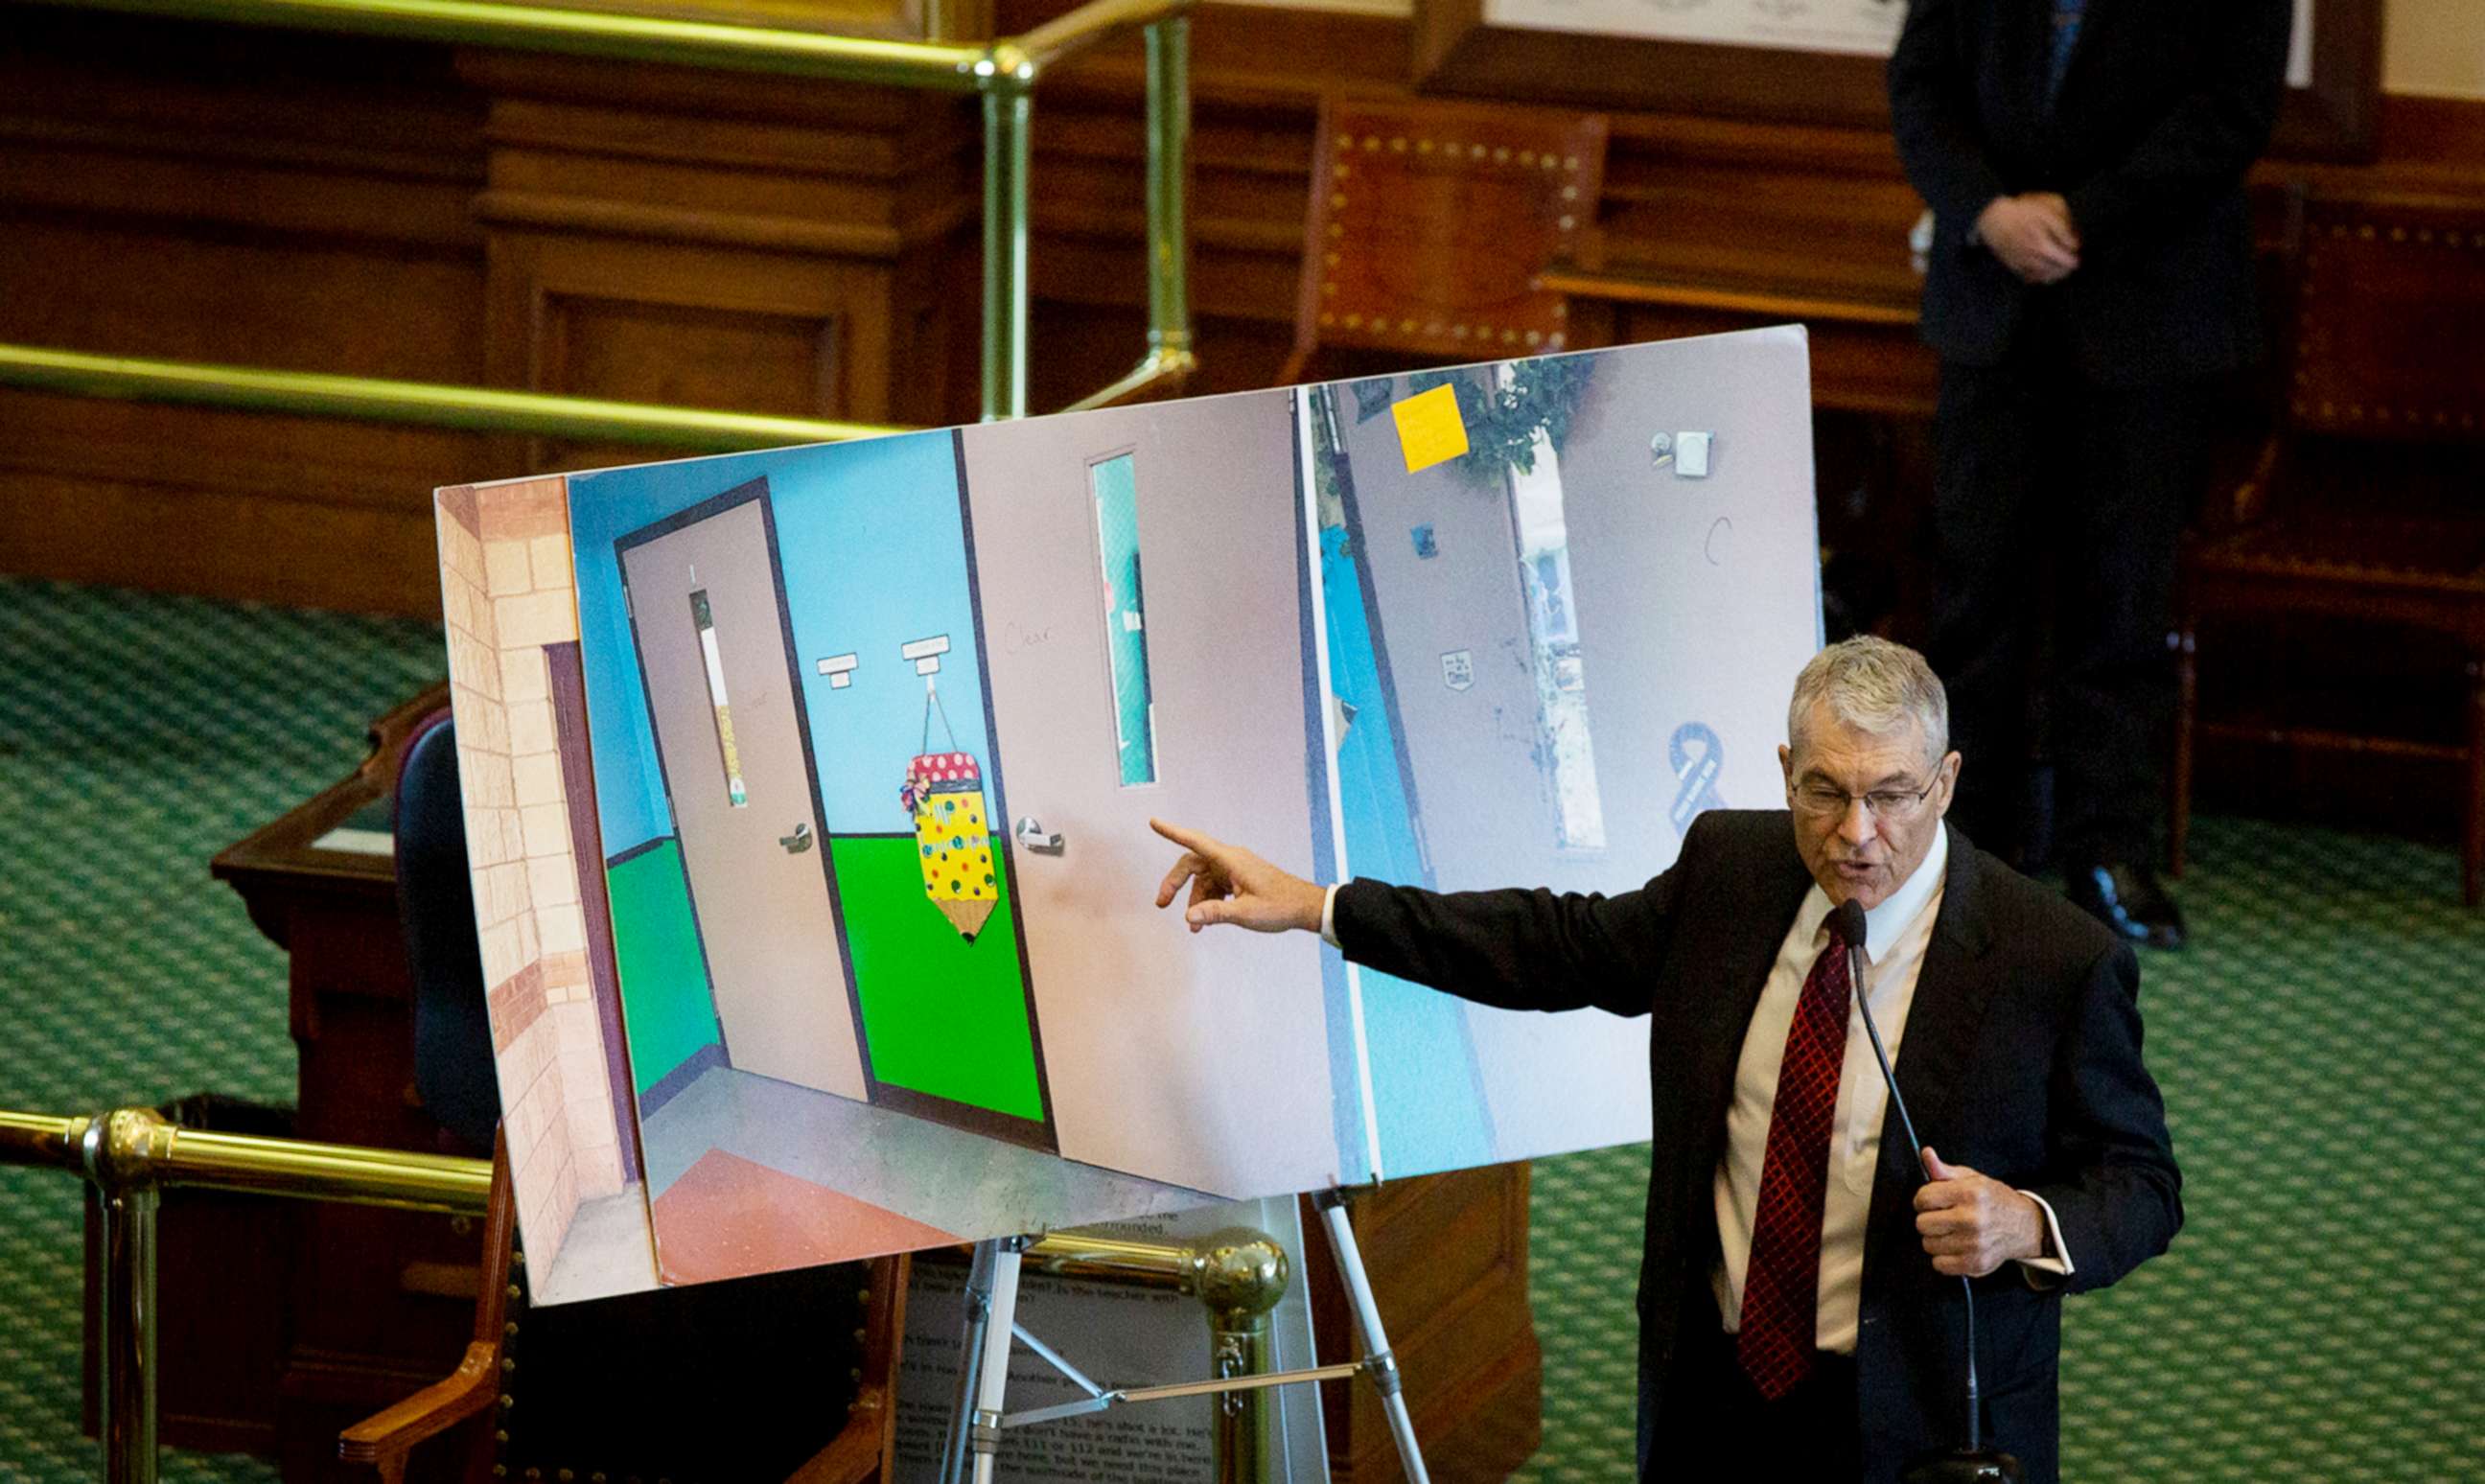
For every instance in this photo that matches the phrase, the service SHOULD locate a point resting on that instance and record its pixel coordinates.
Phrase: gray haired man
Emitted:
(1799, 1309)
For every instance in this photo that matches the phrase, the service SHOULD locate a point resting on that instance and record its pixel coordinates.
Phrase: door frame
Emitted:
(564, 670)
(755, 490)
(1041, 1133)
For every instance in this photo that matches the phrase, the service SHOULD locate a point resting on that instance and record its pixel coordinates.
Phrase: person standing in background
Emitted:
(2091, 275)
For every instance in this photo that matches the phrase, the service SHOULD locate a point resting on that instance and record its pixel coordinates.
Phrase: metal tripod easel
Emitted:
(978, 1418)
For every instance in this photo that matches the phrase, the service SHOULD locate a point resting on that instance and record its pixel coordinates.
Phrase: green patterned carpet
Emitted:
(139, 735)
(2319, 1319)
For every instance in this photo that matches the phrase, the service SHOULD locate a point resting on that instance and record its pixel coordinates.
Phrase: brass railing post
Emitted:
(1239, 1274)
(1168, 50)
(1241, 1277)
(129, 1224)
(1008, 116)
(121, 1151)
(130, 1154)
(1169, 359)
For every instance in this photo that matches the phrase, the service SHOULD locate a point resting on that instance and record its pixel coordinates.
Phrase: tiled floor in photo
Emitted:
(910, 1170)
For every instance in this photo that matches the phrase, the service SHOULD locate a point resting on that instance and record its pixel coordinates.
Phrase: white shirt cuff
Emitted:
(1329, 935)
(2059, 1264)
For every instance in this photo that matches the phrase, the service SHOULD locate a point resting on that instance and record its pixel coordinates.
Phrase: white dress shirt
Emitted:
(1896, 935)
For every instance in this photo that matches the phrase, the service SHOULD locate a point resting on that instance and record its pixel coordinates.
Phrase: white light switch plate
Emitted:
(1691, 455)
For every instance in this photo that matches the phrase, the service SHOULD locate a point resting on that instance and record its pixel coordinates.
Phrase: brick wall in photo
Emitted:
(507, 592)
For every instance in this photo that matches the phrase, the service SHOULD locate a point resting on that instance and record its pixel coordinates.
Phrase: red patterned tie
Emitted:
(1782, 1282)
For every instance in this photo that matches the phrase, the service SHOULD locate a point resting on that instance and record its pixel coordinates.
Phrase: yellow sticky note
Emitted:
(1429, 430)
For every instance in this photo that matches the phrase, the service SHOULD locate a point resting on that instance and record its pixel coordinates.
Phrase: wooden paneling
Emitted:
(248, 200)
(397, 210)
(1447, 1257)
(755, 244)
(259, 198)
(1457, 49)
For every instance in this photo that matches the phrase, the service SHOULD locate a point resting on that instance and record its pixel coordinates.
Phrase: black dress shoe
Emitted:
(2130, 900)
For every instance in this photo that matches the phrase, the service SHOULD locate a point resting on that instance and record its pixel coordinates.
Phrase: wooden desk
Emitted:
(379, 1303)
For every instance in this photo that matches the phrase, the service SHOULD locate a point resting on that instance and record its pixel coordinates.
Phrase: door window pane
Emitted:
(734, 792)
(1115, 485)
(1553, 633)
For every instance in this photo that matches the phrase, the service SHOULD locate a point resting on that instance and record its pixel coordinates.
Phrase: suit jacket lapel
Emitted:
(1950, 995)
(1743, 973)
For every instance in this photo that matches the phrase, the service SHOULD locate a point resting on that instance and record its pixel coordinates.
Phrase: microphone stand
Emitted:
(1972, 1463)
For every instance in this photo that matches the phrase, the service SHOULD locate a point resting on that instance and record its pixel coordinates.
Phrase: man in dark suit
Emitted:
(1799, 1310)
(2090, 273)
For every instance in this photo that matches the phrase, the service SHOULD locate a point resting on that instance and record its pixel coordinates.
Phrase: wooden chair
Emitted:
(489, 1379)
(788, 1374)
(2368, 504)
(1430, 223)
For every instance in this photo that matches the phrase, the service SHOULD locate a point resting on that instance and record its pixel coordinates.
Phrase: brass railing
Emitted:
(132, 1155)
(1004, 72)
(475, 409)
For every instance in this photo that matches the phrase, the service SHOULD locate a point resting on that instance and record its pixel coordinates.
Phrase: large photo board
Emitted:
(807, 791)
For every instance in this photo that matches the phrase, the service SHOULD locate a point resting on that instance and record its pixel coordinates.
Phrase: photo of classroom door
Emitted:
(707, 615)
(860, 679)
(1115, 556)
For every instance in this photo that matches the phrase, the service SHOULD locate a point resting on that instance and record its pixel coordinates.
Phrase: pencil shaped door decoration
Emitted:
(945, 793)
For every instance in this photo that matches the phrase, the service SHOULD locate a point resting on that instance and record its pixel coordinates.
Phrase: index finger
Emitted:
(1188, 840)
(1936, 1196)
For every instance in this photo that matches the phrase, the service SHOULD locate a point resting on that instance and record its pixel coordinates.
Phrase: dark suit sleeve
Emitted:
(2201, 148)
(1932, 103)
(2110, 1162)
(1518, 949)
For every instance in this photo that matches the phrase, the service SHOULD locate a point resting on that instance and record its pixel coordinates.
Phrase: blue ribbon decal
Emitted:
(1697, 776)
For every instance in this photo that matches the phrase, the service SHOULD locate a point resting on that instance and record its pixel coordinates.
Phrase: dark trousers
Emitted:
(2046, 480)
(1718, 1427)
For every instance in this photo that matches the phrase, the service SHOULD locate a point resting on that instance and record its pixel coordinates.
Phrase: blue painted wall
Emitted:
(1425, 1088)
(874, 556)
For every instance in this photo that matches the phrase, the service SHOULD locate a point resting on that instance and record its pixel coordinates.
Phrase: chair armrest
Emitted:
(434, 1410)
(2250, 498)
(854, 1455)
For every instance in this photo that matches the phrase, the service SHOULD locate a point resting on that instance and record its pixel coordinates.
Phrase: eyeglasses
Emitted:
(1893, 806)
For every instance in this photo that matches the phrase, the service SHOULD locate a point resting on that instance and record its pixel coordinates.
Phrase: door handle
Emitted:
(798, 841)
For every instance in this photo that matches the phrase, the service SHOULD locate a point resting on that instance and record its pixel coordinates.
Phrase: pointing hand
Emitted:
(1229, 884)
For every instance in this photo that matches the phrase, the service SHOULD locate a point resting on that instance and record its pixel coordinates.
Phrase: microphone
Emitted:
(1974, 1464)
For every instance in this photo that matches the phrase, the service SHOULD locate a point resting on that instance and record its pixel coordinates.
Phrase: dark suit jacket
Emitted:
(2021, 1059)
(2165, 104)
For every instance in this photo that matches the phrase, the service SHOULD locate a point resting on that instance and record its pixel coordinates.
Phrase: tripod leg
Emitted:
(992, 1376)
(1378, 1358)
(974, 1329)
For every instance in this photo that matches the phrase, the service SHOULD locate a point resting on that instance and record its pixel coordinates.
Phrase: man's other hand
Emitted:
(2032, 235)
(1972, 1223)
(1229, 884)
